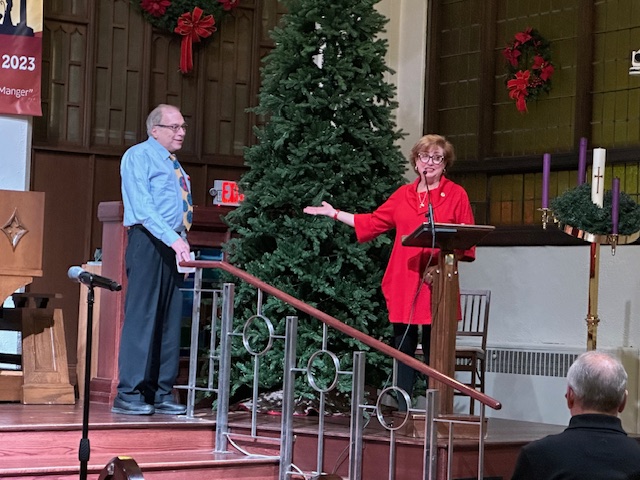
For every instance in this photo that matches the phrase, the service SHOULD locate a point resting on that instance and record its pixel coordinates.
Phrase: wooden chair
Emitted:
(471, 339)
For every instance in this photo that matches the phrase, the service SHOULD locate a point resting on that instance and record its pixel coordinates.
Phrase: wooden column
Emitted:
(111, 313)
(444, 308)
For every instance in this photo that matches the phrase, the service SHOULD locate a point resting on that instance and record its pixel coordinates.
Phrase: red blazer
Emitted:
(408, 298)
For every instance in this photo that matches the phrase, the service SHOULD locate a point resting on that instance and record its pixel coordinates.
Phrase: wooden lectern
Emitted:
(445, 292)
(45, 376)
(21, 223)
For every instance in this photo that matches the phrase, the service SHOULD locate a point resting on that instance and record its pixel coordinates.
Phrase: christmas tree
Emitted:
(329, 135)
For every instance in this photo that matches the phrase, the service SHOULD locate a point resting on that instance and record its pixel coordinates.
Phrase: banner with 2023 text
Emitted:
(20, 57)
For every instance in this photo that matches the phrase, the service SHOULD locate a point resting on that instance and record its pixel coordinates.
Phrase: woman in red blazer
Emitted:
(406, 284)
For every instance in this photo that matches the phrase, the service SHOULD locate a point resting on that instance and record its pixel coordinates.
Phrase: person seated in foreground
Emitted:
(594, 445)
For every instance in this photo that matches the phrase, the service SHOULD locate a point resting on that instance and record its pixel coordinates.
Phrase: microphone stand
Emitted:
(430, 218)
(84, 451)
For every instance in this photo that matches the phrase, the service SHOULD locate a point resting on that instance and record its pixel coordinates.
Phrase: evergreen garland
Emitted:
(331, 136)
(575, 207)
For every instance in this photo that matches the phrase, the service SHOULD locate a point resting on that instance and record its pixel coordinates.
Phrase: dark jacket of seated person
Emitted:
(594, 446)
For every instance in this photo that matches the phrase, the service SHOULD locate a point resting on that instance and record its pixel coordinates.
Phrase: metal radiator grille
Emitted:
(547, 364)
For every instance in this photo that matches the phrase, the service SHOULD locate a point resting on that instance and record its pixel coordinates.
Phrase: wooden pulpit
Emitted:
(449, 238)
(44, 378)
(21, 224)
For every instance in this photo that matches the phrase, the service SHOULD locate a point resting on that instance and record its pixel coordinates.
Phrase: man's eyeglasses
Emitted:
(435, 159)
(174, 128)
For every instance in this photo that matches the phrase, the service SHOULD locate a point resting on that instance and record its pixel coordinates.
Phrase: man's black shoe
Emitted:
(169, 407)
(132, 407)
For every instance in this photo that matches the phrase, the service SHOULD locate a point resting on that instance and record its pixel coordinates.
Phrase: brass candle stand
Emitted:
(547, 215)
(595, 241)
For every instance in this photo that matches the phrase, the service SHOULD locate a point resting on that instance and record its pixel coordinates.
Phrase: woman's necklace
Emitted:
(422, 197)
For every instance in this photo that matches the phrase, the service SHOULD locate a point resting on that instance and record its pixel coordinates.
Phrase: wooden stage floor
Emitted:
(16, 416)
(28, 429)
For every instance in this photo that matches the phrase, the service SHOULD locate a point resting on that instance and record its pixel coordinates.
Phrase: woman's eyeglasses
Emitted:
(435, 159)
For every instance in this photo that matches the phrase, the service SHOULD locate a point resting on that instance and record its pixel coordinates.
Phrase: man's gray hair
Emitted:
(155, 117)
(598, 380)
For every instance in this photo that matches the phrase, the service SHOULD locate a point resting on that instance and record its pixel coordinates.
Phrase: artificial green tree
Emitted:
(329, 135)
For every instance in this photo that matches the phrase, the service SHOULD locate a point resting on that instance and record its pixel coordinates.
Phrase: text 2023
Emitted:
(15, 62)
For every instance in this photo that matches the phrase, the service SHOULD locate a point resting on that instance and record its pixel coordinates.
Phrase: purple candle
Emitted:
(582, 161)
(615, 204)
(546, 169)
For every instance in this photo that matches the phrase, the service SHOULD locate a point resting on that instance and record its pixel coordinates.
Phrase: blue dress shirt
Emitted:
(151, 193)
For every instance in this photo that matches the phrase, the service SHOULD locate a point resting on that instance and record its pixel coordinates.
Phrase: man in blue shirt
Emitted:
(594, 446)
(156, 194)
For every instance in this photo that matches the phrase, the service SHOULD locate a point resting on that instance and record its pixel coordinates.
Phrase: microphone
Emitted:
(91, 280)
(429, 214)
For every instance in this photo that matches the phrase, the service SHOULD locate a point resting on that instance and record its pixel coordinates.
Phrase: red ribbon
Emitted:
(193, 27)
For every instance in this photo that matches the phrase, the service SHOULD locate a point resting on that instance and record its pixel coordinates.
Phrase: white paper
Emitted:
(186, 269)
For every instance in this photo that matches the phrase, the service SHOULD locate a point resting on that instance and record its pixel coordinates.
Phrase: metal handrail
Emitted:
(346, 329)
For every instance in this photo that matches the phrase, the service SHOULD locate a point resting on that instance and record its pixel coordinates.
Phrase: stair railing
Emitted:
(220, 356)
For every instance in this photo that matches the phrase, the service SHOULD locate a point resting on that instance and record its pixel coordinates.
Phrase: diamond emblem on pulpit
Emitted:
(14, 230)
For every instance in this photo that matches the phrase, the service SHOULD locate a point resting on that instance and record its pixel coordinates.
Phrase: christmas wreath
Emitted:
(528, 59)
(576, 208)
(193, 19)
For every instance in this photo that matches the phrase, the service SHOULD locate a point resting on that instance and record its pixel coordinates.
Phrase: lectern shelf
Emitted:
(448, 236)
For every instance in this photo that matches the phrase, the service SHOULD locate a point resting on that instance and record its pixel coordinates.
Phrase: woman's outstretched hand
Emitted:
(324, 209)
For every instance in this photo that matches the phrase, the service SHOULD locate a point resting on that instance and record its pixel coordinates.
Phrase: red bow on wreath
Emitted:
(193, 27)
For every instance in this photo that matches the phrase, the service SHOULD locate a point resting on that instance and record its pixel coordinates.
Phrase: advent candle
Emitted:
(597, 176)
(546, 168)
(582, 161)
(615, 204)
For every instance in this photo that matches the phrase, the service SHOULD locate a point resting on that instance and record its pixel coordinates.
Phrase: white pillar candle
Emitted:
(597, 176)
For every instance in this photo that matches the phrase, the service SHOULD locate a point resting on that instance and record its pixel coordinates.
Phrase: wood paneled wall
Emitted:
(500, 149)
(104, 69)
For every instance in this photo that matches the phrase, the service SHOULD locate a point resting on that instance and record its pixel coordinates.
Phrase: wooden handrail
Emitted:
(346, 329)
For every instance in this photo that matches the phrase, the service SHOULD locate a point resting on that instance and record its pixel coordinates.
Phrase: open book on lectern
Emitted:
(447, 236)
